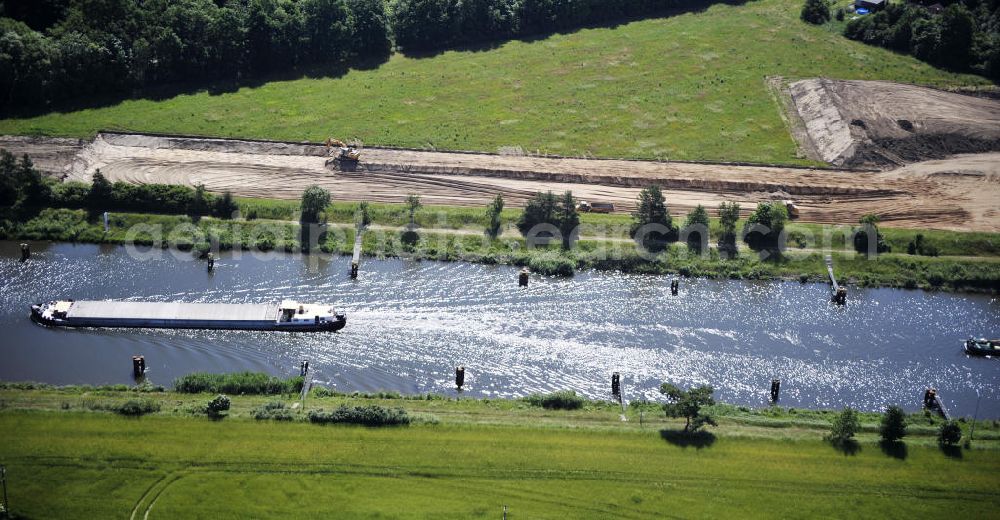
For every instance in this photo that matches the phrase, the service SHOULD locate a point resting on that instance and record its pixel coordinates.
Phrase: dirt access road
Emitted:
(960, 193)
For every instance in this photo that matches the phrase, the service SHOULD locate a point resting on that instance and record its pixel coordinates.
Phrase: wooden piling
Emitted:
(25, 252)
(356, 257)
(459, 377)
(838, 294)
(932, 401)
(775, 390)
(5, 507)
(523, 276)
(138, 366)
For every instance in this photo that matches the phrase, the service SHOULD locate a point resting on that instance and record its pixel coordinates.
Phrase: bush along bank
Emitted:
(558, 250)
(183, 234)
(564, 408)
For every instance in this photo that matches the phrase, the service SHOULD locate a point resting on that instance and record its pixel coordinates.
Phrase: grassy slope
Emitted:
(472, 458)
(690, 86)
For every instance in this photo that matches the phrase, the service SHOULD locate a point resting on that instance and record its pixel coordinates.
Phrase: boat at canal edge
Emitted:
(982, 347)
(288, 316)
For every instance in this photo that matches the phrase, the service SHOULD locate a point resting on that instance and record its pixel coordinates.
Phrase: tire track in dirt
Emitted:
(920, 195)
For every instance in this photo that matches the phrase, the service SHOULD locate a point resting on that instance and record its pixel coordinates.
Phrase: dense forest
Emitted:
(58, 51)
(964, 36)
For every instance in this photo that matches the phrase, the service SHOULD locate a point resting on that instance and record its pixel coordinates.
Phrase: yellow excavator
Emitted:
(344, 155)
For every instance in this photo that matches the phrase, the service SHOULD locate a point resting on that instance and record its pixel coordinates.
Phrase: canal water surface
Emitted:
(410, 323)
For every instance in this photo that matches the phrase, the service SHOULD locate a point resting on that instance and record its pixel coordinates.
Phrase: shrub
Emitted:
(763, 229)
(136, 407)
(949, 434)
(322, 391)
(816, 12)
(409, 239)
(696, 225)
(217, 405)
(368, 415)
(562, 400)
(552, 263)
(247, 383)
(844, 426)
(893, 427)
(130, 408)
(652, 219)
(273, 411)
(917, 246)
(864, 235)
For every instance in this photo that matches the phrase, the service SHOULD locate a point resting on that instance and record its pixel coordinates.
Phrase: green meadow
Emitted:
(467, 458)
(688, 86)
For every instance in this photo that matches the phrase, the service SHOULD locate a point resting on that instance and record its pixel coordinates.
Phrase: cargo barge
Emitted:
(287, 316)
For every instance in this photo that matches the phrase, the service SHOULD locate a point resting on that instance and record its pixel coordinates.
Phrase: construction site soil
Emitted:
(957, 193)
(885, 125)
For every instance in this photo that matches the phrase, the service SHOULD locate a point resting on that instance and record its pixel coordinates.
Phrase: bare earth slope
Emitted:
(884, 124)
(954, 194)
(51, 155)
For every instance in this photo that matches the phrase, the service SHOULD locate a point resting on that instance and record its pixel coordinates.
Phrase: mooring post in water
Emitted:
(356, 257)
(838, 293)
(304, 368)
(616, 386)
(459, 376)
(5, 507)
(107, 222)
(138, 366)
(674, 286)
(522, 277)
(25, 252)
(211, 261)
(775, 390)
(933, 401)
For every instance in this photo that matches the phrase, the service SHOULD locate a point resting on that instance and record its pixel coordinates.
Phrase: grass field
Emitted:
(466, 459)
(687, 86)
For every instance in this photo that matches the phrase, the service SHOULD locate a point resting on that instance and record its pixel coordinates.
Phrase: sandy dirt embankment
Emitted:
(885, 124)
(954, 194)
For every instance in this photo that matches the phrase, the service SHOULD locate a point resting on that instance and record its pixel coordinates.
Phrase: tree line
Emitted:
(53, 51)
(963, 37)
(546, 216)
(59, 51)
(24, 191)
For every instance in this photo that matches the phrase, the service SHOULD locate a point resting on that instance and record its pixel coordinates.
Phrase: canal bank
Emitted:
(969, 262)
(413, 322)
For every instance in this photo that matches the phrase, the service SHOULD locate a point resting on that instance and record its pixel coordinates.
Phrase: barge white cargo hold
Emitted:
(287, 316)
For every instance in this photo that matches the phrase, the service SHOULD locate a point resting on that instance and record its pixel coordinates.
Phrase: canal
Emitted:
(410, 323)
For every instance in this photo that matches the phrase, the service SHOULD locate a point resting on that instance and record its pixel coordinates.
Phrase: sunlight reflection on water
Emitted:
(410, 323)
